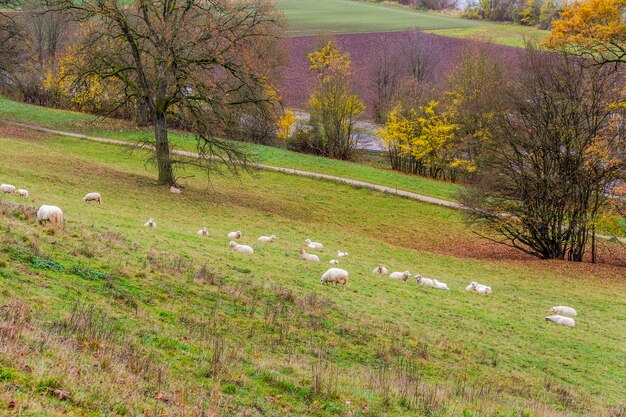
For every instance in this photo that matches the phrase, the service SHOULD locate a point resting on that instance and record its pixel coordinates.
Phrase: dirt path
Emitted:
(309, 174)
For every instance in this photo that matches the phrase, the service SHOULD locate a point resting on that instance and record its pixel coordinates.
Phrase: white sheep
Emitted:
(333, 262)
(204, 232)
(430, 282)
(564, 311)
(241, 248)
(313, 245)
(564, 321)
(52, 214)
(335, 276)
(92, 197)
(267, 239)
(441, 285)
(175, 190)
(478, 288)
(234, 235)
(380, 270)
(22, 192)
(7, 188)
(400, 275)
(342, 254)
(308, 256)
(150, 223)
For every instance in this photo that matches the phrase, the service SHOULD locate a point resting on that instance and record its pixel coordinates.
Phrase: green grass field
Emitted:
(308, 17)
(108, 318)
(83, 123)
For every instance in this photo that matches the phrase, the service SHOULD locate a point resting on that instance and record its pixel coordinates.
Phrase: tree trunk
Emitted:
(162, 150)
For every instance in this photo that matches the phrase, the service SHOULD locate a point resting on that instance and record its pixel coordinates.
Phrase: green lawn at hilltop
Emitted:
(153, 332)
(309, 17)
(83, 123)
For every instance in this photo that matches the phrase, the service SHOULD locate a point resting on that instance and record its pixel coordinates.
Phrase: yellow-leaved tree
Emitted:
(333, 105)
(285, 125)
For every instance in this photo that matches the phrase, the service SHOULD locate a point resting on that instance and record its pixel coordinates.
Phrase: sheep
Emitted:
(150, 223)
(175, 190)
(7, 188)
(52, 214)
(380, 270)
(564, 321)
(234, 235)
(203, 232)
(335, 276)
(342, 254)
(22, 192)
(333, 262)
(564, 311)
(308, 256)
(92, 197)
(430, 282)
(241, 248)
(478, 288)
(313, 245)
(400, 275)
(267, 239)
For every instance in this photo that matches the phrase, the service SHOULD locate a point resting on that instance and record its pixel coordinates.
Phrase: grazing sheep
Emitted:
(564, 311)
(342, 254)
(308, 256)
(204, 232)
(52, 214)
(92, 197)
(430, 282)
(335, 276)
(380, 270)
(241, 248)
(7, 188)
(333, 262)
(150, 223)
(22, 192)
(564, 321)
(400, 275)
(267, 239)
(175, 190)
(478, 288)
(234, 235)
(313, 245)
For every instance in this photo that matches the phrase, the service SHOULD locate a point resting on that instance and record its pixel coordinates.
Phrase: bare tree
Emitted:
(555, 157)
(386, 75)
(10, 37)
(189, 62)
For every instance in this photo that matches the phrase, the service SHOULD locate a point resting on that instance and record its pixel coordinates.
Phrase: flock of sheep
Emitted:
(54, 215)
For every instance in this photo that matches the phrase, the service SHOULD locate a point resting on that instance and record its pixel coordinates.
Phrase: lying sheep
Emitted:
(333, 262)
(380, 270)
(400, 275)
(92, 197)
(308, 256)
(335, 276)
(342, 254)
(7, 188)
(563, 321)
(150, 223)
(234, 235)
(52, 214)
(430, 282)
(564, 311)
(478, 288)
(204, 232)
(267, 239)
(22, 192)
(313, 245)
(241, 248)
(175, 190)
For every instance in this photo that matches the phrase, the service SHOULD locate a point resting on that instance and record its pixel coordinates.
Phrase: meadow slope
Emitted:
(109, 318)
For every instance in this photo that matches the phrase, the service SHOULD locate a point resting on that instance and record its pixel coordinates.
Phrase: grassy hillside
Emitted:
(106, 317)
(308, 17)
(83, 123)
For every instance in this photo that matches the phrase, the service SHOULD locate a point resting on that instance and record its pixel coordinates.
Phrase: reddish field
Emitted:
(297, 81)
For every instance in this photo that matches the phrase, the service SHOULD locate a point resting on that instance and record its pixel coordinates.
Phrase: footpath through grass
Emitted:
(115, 129)
(134, 321)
